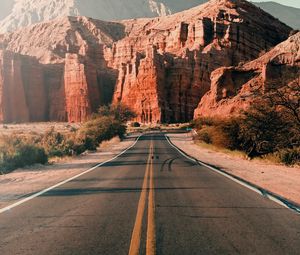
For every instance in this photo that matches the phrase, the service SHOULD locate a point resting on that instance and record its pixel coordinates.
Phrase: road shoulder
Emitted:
(278, 179)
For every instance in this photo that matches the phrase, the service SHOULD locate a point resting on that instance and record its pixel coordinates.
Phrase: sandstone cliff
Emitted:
(234, 88)
(160, 67)
(185, 48)
(22, 91)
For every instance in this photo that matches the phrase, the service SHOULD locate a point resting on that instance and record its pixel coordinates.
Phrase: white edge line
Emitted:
(5, 209)
(267, 195)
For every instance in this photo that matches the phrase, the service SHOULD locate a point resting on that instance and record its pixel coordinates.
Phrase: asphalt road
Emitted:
(150, 200)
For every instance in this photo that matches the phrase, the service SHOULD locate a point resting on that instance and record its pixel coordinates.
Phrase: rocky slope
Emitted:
(160, 67)
(234, 88)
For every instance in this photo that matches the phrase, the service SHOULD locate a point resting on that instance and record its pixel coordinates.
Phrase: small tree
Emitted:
(262, 130)
(120, 112)
(287, 100)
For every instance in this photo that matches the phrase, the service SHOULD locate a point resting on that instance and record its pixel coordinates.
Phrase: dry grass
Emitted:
(215, 148)
(37, 128)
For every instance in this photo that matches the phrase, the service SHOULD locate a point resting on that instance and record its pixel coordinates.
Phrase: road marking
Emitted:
(5, 209)
(147, 188)
(151, 236)
(137, 230)
(275, 198)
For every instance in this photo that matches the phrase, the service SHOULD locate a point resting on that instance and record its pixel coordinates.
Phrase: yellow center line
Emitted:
(151, 237)
(137, 230)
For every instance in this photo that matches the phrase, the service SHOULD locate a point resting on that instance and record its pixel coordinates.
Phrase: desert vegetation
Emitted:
(19, 150)
(269, 128)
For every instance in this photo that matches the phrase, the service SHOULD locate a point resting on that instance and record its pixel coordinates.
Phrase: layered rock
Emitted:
(234, 89)
(159, 67)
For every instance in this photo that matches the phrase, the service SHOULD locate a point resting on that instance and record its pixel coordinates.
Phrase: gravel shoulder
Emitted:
(21, 182)
(279, 179)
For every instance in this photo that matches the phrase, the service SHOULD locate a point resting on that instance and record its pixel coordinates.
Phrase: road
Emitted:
(150, 200)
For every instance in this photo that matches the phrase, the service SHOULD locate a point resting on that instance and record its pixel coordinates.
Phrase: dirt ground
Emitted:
(277, 178)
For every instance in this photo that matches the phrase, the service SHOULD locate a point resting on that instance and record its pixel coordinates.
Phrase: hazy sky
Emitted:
(294, 3)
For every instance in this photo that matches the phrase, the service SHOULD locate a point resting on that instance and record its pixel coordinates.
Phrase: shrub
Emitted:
(202, 122)
(205, 135)
(15, 153)
(55, 144)
(28, 154)
(135, 124)
(289, 156)
(262, 130)
(101, 129)
(226, 133)
(119, 112)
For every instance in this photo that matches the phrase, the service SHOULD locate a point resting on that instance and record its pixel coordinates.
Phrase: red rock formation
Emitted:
(190, 45)
(159, 67)
(22, 93)
(234, 88)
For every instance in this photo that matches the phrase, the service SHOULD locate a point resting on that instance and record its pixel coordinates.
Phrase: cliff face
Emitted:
(185, 49)
(159, 67)
(234, 88)
(22, 92)
(74, 75)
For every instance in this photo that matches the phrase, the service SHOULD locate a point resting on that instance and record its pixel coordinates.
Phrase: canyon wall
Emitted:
(160, 67)
(234, 89)
(22, 94)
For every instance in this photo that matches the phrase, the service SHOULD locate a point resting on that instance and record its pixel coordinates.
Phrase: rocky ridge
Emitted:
(160, 67)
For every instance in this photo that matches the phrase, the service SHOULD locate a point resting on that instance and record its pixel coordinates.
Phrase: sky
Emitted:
(293, 3)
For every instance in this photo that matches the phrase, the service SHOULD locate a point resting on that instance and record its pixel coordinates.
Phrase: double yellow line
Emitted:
(137, 230)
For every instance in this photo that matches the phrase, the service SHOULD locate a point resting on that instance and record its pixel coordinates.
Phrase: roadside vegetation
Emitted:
(270, 128)
(22, 150)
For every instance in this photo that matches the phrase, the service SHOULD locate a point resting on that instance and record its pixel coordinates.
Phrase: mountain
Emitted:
(160, 67)
(27, 12)
(235, 88)
(288, 15)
